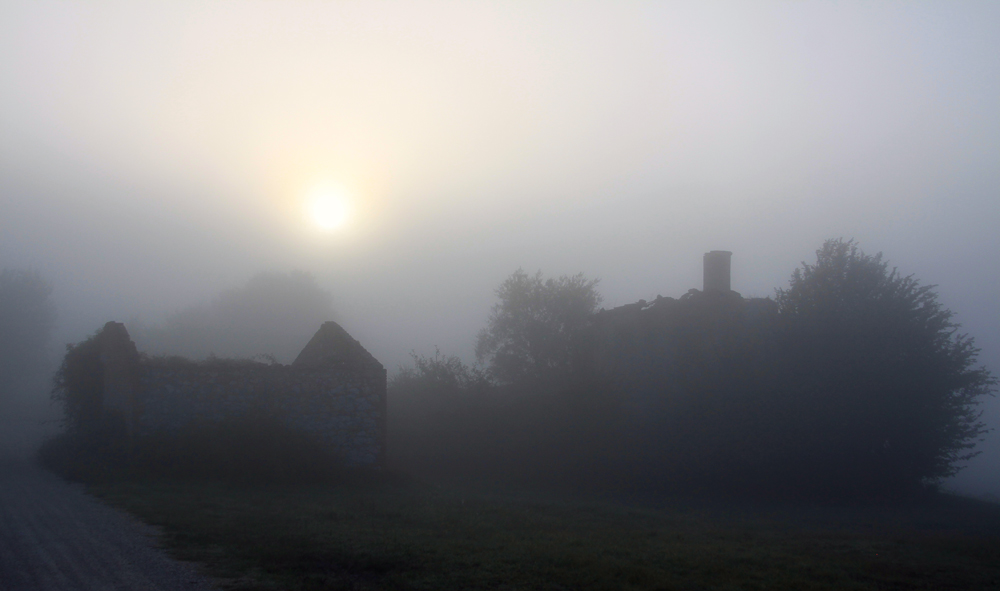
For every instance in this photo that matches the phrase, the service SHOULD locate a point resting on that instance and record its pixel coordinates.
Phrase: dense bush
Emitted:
(449, 420)
(440, 417)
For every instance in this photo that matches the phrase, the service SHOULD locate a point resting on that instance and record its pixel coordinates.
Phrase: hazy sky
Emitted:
(152, 155)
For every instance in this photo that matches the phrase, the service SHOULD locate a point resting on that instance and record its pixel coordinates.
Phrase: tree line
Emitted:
(853, 381)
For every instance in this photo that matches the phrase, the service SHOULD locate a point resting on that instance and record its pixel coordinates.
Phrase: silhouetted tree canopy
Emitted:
(885, 388)
(27, 317)
(273, 314)
(530, 331)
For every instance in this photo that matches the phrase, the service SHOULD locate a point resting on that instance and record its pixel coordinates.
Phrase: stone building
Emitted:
(651, 348)
(335, 391)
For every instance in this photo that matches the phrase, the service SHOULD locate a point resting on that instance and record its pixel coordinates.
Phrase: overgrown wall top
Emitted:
(335, 391)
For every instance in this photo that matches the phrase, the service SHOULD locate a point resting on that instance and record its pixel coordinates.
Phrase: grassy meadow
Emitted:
(409, 535)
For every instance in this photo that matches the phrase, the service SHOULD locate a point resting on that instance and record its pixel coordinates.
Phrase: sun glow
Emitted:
(328, 206)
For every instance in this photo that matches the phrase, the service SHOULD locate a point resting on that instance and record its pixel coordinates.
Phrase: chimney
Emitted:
(717, 265)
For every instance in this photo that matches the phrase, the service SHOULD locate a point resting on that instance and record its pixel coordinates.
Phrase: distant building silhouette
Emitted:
(646, 346)
(334, 390)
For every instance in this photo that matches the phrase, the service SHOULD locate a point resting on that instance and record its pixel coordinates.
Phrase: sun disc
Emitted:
(329, 207)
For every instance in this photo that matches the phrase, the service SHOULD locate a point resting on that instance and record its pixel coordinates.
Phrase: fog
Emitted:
(153, 156)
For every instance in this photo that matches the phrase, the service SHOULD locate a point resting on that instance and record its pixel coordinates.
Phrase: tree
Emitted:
(27, 317)
(530, 331)
(883, 385)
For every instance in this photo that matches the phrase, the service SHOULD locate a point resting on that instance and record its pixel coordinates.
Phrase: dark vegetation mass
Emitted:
(852, 382)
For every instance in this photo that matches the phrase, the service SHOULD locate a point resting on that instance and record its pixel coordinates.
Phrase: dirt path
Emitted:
(53, 536)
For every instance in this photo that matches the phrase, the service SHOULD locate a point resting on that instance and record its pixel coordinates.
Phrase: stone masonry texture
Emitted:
(335, 391)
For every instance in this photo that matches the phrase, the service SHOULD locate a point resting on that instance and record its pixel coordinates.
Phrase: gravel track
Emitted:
(54, 536)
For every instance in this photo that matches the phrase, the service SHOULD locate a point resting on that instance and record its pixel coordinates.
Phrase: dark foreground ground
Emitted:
(393, 535)
(54, 536)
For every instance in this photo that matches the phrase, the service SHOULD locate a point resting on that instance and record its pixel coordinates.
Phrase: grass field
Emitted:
(418, 536)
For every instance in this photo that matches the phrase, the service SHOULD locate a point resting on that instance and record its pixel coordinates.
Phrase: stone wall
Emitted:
(335, 391)
(649, 346)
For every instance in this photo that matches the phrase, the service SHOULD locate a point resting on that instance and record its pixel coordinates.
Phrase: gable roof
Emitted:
(333, 346)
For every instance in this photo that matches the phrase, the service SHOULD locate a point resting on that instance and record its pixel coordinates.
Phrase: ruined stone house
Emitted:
(647, 346)
(335, 391)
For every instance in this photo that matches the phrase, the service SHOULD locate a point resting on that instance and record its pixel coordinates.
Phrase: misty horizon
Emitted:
(154, 157)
